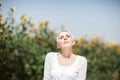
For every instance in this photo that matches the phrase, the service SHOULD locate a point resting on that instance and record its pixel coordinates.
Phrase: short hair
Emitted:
(64, 30)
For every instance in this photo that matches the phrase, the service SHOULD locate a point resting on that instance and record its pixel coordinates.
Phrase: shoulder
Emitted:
(82, 58)
(50, 54)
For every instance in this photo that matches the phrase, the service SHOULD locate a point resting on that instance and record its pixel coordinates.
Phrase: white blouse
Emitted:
(54, 71)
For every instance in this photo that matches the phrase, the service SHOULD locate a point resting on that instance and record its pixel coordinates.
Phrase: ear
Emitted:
(58, 45)
(73, 42)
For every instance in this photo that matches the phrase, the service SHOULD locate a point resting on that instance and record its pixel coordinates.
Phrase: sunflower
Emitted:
(5, 37)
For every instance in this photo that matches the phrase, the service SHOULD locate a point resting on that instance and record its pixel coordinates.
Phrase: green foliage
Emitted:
(23, 49)
(22, 54)
(103, 59)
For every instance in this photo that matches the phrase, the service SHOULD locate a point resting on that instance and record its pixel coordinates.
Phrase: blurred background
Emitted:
(83, 18)
(28, 29)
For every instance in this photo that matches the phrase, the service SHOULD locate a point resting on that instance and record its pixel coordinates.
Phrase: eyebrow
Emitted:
(61, 36)
(65, 35)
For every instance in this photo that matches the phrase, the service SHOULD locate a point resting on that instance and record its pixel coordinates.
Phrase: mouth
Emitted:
(66, 42)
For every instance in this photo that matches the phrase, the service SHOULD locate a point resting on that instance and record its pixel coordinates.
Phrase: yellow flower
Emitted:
(112, 45)
(74, 51)
(32, 24)
(1, 30)
(5, 37)
(0, 4)
(25, 21)
(41, 25)
(46, 22)
(118, 49)
(12, 9)
(81, 39)
(0, 20)
(92, 45)
(94, 40)
(43, 43)
(29, 36)
(37, 36)
(34, 29)
(17, 27)
(5, 26)
(0, 15)
(30, 30)
(23, 16)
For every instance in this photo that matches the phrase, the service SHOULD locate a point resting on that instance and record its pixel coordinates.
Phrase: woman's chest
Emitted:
(66, 72)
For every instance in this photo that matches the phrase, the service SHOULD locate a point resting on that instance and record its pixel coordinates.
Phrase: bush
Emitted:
(23, 48)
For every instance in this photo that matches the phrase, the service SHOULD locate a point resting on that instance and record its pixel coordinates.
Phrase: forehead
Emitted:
(64, 33)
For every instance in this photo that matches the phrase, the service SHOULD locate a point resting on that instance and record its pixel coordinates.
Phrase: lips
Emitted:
(66, 42)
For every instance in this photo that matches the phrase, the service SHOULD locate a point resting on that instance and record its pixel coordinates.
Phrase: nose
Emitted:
(65, 38)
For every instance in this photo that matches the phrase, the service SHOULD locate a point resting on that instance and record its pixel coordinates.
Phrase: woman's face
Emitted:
(65, 40)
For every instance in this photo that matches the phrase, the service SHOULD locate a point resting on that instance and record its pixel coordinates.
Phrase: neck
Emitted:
(66, 52)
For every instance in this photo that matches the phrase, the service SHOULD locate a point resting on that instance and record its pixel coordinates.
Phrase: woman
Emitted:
(65, 65)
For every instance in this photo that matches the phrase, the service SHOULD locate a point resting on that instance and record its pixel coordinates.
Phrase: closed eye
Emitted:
(61, 37)
(68, 36)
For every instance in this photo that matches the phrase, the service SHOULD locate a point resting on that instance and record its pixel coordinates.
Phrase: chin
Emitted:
(65, 46)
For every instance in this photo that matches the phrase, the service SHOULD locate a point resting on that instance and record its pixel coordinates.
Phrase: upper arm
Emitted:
(82, 69)
(47, 66)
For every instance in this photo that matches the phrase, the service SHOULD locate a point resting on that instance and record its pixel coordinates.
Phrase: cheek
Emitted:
(60, 42)
(70, 40)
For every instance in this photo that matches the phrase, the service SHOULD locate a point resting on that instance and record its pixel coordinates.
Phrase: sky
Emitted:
(84, 18)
